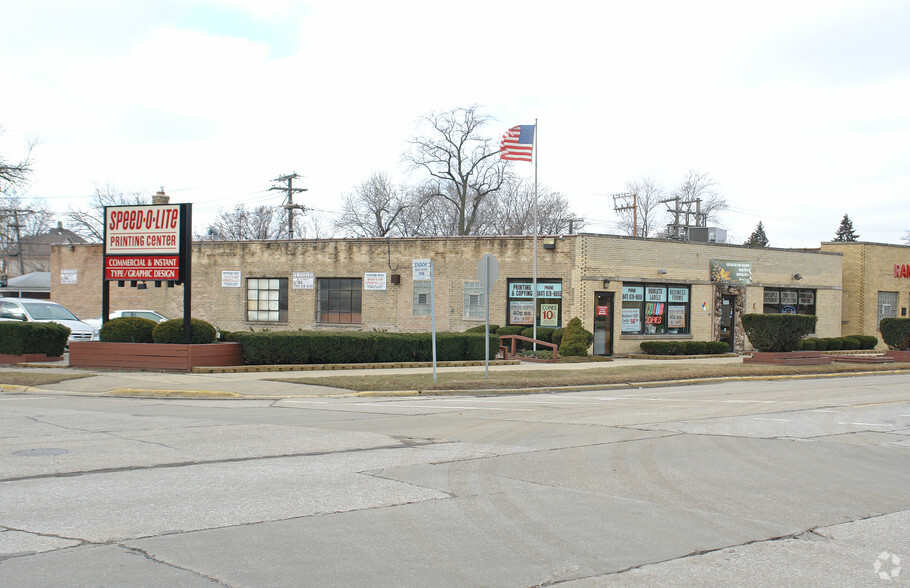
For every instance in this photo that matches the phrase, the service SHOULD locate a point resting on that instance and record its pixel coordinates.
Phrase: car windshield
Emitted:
(48, 312)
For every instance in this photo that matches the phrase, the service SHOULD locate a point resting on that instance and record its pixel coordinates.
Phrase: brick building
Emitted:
(876, 283)
(624, 289)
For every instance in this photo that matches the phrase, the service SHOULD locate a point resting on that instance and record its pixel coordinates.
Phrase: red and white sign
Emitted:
(156, 267)
(603, 310)
(144, 230)
(901, 270)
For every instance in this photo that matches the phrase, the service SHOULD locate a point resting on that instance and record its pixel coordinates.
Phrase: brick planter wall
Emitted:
(153, 356)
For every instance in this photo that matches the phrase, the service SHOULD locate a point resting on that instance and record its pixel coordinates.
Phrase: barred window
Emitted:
(887, 306)
(422, 297)
(340, 300)
(474, 303)
(267, 300)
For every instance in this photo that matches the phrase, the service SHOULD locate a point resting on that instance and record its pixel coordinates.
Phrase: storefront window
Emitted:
(520, 302)
(267, 300)
(789, 301)
(340, 300)
(655, 309)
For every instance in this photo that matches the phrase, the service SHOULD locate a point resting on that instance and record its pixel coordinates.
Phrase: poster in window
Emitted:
(631, 320)
(633, 294)
(549, 315)
(676, 317)
(656, 294)
(521, 312)
(654, 312)
(772, 297)
(806, 298)
(788, 297)
(678, 294)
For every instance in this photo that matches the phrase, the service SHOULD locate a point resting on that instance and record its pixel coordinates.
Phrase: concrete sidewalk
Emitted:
(259, 385)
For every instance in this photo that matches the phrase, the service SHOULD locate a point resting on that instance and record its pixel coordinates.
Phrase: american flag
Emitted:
(518, 143)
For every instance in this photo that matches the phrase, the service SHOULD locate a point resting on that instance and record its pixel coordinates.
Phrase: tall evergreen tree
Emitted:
(845, 231)
(758, 237)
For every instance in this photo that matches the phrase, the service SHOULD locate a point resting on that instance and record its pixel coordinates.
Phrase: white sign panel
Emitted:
(656, 294)
(374, 281)
(631, 320)
(633, 294)
(678, 294)
(549, 315)
(230, 279)
(69, 276)
(304, 280)
(422, 270)
(521, 312)
(146, 230)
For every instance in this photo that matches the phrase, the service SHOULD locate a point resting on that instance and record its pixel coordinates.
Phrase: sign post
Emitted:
(422, 270)
(487, 273)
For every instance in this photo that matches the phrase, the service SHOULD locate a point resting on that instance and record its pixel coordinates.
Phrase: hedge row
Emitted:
(838, 343)
(547, 334)
(777, 332)
(684, 347)
(301, 347)
(895, 332)
(19, 338)
(129, 329)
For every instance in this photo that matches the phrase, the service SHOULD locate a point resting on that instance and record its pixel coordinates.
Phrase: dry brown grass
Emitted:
(536, 379)
(33, 378)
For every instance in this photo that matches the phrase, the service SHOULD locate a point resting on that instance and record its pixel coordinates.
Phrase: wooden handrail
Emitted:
(510, 353)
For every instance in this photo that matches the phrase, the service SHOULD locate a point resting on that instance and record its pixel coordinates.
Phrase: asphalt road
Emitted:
(783, 483)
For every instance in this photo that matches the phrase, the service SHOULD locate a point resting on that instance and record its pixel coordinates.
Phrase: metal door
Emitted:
(603, 323)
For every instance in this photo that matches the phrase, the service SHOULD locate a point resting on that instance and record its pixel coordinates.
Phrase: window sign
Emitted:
(374, 281)
(772, 296)
(521, 290)
(526, 290)
(633, 293)
(655, 313)
(230, 279)
(549, 290)
(631, 320)
(521, 312)
(656, 294)
(549, 315)
(788, 297)
(806, 297)
(304, 280)
(676, 317)
(678, 294)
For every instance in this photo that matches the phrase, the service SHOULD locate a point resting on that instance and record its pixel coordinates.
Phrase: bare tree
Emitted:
(697, 193)
(19, 220)
(243, 224)
(89, 222)
(464, 167)
(511, 211)
(906, 238)
(13, 174)
(648, 196)
(373, 209)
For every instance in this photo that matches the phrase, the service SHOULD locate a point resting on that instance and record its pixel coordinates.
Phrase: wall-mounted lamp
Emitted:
(396, 279)
(606, 283)
(661, 271)
(797, 277)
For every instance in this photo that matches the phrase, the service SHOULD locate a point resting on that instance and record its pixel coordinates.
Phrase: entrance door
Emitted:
(603, 323)
(727, 320)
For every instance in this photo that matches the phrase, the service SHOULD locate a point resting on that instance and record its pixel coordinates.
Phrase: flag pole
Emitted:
(534, 286)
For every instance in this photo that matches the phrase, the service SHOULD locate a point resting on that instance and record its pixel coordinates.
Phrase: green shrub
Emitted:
(696, 347)
(556, 336)
(664, 347)
(777, 332)
(172, 332)
(821, 344)
(576, 339)
(834, 343)
(895, 332)
(20, 338)
(128, 329)
(543, 333)
(807, 345)
(849, 343)
(718, 347)
(866, 341)
(480, 329)
(510, 330)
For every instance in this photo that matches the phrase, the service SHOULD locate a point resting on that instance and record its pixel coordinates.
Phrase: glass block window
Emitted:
(267, 300)
(887, 306)
(422, 298)
(340, 300)
(474, 303)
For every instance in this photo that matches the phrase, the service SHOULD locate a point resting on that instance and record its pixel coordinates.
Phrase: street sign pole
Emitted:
(487, 273)
(433, 312)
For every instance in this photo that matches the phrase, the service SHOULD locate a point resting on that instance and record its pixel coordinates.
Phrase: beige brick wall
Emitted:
(868, 270)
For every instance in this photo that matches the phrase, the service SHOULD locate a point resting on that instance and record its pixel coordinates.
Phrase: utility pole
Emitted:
(678, 230)
(14, 212)
(633, 207)
(289, 204)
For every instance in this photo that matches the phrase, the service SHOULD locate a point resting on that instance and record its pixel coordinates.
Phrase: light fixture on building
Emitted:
(142, 286)
(606, 283)
(661, 271)
(797, 277)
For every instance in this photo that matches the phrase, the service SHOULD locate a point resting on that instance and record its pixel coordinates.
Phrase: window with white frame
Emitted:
(887, 306)
(422, 297)
(267, 300)
(474, 303)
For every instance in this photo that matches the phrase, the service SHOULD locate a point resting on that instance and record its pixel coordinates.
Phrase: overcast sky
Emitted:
(800, 110)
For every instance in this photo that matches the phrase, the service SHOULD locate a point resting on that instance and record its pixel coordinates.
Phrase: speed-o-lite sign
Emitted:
(145, 242)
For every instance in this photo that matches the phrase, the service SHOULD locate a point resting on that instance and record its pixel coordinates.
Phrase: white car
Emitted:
(45, 311)
(147, 314)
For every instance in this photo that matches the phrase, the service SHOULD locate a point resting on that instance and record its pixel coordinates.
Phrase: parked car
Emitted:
(147, 314)
(45, 311)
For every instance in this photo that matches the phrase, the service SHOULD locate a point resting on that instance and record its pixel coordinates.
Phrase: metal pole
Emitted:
(535, 237)
(433, 311)
(486, 322)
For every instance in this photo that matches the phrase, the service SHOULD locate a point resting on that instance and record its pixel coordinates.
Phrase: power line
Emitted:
(290, 206)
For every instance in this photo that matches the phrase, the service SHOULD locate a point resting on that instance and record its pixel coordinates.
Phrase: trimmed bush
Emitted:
(128, 329)
(556, 336)
(172, 332)
(20, 338)
(576, 339)
(481, 329)
(849, 343)
(834, 343)
(821, 344)
(664, 347)
(509, 330)
(718, 347)
(896, 333)
(807, 345)
(866, 341)
(696, 347)
(543, 333)
(777, 332)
